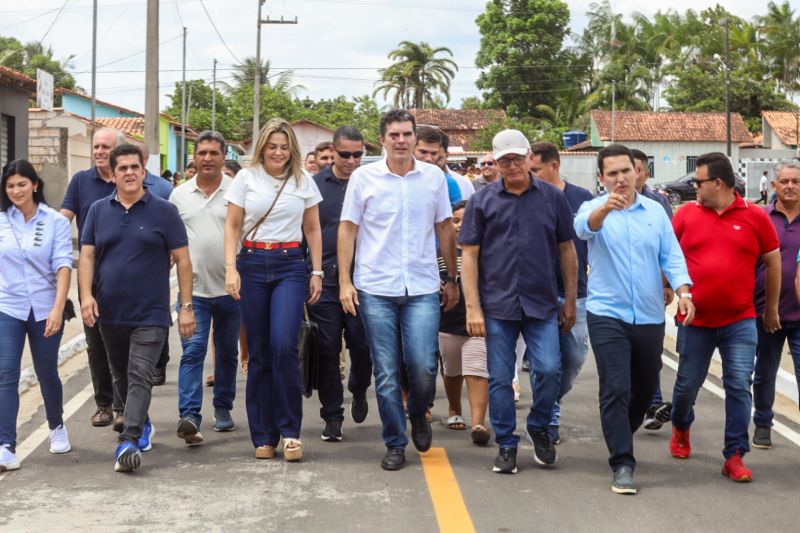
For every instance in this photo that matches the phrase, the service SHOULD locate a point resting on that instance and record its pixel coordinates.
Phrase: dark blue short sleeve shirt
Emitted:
(132, 259)
(332, 190)
(85, 188)
(519, 237)
(575, 197)
(157, 185)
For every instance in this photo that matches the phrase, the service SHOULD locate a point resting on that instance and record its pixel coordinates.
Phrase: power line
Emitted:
(128, 57)
(203, 5)
(55, 19)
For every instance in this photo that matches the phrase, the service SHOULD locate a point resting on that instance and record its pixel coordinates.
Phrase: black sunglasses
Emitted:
(696, 183)
(348, 155)
(488, 164)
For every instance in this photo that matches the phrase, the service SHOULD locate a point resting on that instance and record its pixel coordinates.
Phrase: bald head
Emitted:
(105, 139)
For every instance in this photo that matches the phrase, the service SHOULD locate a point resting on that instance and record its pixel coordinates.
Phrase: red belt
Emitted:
(270, 245)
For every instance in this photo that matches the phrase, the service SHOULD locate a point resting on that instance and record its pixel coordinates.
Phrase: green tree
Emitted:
(27, 58)
(522, 55)
(418, 76)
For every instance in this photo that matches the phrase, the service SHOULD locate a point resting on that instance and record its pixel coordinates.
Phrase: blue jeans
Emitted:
(542, 351)
(44, 351)
(401, 330)
(768, 360)
(223, 312)
(574, 347)
(737, 347)
(272, 296)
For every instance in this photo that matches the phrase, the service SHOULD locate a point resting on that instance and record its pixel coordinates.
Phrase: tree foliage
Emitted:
(418, 77)
(28, 57)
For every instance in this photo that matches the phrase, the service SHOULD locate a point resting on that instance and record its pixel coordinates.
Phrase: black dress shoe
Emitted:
(394, 459)
(359, 408)
(159, 377)
(421, 434)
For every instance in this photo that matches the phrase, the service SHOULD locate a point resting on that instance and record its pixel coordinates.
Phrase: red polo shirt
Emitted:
(721, 253)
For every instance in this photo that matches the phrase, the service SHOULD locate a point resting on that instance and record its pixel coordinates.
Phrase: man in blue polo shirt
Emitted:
(631, 243)
(332, 181)
(126, 245)
(85, 188)
(513, 236)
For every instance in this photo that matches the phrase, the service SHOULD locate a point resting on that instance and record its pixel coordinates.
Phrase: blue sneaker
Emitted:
(146, 440)
(555, 436)
(128, 457)
(223, 420)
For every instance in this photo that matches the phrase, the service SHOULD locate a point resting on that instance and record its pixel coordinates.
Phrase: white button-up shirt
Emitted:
(28, 267)
(395, 215)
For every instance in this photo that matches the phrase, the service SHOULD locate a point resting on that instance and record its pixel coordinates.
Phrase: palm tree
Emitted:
(245, 74)
(417, 74)
(782, 44)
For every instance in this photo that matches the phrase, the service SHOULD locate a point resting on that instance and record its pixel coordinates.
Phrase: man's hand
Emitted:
(186, 323)
(89, 310)
(476, 325)
(567, 315)
(315, 289)
(450, 296)
(348, 296)
(669, 295)
(771, 321)
(616, 201)
(686, 308)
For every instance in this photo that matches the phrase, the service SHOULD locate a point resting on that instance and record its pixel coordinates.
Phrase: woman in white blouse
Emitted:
(270, 277)
(35, 264)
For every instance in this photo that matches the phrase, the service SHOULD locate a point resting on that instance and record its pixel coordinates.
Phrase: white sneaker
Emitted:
(59, 440)
(8, 461)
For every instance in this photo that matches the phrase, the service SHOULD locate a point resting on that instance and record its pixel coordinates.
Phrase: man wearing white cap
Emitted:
(515, 235)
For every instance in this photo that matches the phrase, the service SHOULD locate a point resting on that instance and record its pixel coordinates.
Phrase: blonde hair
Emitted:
(279, 125)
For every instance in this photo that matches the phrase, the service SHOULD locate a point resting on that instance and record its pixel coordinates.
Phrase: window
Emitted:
(6, 139)
(691, 163)
(651, 166)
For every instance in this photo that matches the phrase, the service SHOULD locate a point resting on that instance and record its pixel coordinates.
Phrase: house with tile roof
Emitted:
(462, 125)
(672, 140)
(16, 89)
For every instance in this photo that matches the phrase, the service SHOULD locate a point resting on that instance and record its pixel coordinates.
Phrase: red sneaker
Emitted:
(734, 468)
(679, 445)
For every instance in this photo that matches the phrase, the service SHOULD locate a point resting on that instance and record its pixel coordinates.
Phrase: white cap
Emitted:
(510, 142)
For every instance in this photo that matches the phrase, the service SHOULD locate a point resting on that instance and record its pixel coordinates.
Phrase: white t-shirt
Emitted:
(395, 215)
(467, 190)
(254, 190)
(763, 184)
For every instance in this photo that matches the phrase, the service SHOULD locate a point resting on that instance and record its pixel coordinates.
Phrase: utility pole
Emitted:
(151, 118)
(94, 61)
(182, 145)
(214, 99)
(613, 110)
(257, 78)
(728, 84)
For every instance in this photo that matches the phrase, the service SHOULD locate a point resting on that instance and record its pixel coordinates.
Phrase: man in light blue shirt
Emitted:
(631, 243)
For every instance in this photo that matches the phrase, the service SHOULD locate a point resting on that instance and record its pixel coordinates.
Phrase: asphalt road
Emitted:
(220, 486)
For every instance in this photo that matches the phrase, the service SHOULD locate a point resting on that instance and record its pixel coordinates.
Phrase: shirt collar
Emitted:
(144, 199)
(535, 183)
(13, 211)
(193, 187)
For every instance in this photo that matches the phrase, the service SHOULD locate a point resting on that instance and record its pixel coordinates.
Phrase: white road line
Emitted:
(782, 429)
(42, 433)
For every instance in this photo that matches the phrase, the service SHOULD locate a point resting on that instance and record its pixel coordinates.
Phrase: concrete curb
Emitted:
(67, 351)
(785, 384)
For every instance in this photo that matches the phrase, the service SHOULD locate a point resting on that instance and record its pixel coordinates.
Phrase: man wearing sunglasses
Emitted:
(348, 148)
(489, 173)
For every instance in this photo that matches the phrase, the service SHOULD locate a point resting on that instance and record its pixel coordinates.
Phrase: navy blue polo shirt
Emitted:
(132, 256)
(519, 237)
(332, 190)
(648, 192)
(575, 197)
(157, 185)
(85, 188)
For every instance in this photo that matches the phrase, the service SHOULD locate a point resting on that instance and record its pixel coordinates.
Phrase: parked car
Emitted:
(682, 189)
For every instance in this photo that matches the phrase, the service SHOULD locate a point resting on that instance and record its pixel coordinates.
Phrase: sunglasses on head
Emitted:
(348, 155)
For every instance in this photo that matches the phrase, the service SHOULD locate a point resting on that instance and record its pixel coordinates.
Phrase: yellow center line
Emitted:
(448, 503)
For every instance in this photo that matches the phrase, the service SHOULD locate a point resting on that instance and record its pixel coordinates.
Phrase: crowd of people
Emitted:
(418, 270)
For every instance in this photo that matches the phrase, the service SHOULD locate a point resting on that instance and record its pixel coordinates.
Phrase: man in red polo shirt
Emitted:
(722, 237)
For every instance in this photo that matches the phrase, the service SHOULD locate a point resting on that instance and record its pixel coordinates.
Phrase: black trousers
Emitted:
(332, 322)
(628, 360)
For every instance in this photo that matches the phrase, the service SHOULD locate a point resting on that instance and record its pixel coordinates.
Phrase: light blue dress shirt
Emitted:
(45, 246)
(626, 258)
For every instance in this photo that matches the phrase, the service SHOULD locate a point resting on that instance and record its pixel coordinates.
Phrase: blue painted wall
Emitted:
(82, 106)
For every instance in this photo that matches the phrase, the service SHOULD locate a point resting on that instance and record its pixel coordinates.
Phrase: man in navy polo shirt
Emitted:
(85, 188)
(514, 234)
(126, 245)
(348, 147)
(784, 213)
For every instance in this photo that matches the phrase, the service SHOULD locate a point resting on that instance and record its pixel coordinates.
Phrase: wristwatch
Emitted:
(187, 307)
(685, 295)
(452, 279)
(319, 273)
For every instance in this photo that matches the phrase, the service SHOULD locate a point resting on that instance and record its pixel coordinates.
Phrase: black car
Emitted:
(682, 189)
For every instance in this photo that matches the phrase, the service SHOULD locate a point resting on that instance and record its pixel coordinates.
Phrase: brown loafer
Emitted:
(102, 417)
(119, 421)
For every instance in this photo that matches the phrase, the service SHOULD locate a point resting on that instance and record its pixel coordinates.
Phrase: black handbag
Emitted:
(309, 359)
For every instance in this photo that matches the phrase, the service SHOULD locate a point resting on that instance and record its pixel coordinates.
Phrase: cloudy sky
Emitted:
(335, 49)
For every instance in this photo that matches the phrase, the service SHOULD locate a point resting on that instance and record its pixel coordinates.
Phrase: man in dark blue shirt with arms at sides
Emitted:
(123, 279)
(348, 148)
(514, 234)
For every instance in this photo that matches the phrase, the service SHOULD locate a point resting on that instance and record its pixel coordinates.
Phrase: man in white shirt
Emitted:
(392, 211)
(202, 207)
(763, 188)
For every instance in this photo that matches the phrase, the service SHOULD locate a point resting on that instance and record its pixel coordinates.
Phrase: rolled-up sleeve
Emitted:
(670, 257)
(472, 225)
(62, 244)
(581, 222)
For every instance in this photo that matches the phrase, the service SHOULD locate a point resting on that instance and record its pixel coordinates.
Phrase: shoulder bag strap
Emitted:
(254, 228)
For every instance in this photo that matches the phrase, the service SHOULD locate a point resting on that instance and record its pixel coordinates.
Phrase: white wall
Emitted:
(580, 170)
(669, 158)
(309, 136)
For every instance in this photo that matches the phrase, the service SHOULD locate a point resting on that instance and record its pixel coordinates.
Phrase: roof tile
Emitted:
(461, 125)
(670, 126)
(785, 124)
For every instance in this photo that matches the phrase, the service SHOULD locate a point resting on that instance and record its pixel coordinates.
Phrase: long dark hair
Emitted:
(24, 168)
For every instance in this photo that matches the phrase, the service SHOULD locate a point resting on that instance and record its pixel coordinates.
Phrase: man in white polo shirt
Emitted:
(392, 211)
(202, 207)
